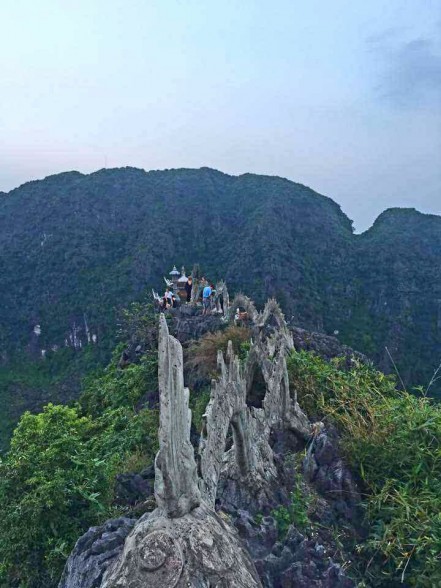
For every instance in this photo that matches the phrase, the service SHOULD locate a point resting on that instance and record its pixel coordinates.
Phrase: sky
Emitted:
(343, 96)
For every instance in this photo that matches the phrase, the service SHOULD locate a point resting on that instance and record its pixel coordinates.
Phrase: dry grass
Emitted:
(202, 355)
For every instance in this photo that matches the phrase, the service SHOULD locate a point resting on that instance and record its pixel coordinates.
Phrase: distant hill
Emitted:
(75, 247)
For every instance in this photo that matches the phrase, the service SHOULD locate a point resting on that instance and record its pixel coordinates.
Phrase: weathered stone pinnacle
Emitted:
(176, 483)
(184, 542)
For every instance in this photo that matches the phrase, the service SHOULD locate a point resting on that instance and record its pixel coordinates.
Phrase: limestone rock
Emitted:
(132, 488)
(251, 459)
(227, 407)
(189, 323)
(184, 542)
(325, 468)
(94, 552)
(176, 486)
(325, 346)
(244, 303)
(198, 550)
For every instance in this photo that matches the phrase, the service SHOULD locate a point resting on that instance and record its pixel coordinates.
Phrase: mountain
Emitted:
(398, 298)
(76, 247)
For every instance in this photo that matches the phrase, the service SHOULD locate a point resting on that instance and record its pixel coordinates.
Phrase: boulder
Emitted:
(94, 552)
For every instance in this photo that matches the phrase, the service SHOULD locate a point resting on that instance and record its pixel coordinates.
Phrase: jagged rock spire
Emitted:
(227, 406)
(176, 485)
(184, 542)
(251, 460)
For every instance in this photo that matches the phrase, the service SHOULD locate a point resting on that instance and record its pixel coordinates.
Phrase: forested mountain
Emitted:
(76, 247)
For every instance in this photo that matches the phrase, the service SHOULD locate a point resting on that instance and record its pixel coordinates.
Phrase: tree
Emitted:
(52, 487)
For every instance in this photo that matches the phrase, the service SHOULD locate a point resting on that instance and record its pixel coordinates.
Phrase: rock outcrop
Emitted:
(176, 486)
(184, 542)
(189, 324)
(212, 525)
(198, 549)
(325, 346)
(94, 552)
(248, 470)
(324, 467)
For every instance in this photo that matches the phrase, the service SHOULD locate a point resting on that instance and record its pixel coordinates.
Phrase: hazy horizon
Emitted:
(343, 97)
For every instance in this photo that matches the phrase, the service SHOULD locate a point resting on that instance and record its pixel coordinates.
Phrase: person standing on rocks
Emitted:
(168, 298)
(206, 299)
(189, 288)
(212, 296)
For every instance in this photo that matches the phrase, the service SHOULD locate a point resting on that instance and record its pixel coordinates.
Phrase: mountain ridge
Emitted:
(77, 247)
(386, 214)
(142, 171)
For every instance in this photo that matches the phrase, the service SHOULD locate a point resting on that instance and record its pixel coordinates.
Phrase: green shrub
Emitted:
(114, 387)
(295, 513)
(392, 439)
(58, 477)
(52, 487)
(198, 405)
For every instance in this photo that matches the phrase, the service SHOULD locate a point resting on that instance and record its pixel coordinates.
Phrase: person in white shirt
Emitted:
(168, 298)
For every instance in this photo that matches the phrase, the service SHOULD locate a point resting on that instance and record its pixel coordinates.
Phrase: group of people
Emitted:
(170, 299)
(206, 293)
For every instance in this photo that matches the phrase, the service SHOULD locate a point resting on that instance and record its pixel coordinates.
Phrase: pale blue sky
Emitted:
(343, 96)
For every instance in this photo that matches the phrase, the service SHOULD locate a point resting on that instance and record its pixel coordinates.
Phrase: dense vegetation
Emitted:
(58, 476)
(392, 440)
(75, 248)
(27, 384)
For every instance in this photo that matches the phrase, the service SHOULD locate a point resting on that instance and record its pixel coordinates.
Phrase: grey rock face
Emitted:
(94, 552)
(176, 485)
(189, 323)
(248, 471)
(222, 297)
(324, 345)
(268, 354)
(295, 561)
(251, 456)
(131, 488)
(185, 542)
(324, 467)
(243, 303)
(198, 549)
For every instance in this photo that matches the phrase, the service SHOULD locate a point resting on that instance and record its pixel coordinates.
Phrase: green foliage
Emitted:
(57, 478)
(198, 405)
(52, 487)
(295, 513)
(244, 349)
(113, 387)
(75, 245)
(138, 322)
(392, 439)
(80, 246)
(28, 384)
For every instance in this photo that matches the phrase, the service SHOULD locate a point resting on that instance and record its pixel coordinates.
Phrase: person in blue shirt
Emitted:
(206, 299)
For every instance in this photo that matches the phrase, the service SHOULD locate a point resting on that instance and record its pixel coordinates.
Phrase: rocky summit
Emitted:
(212, 524)
(225, 447)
